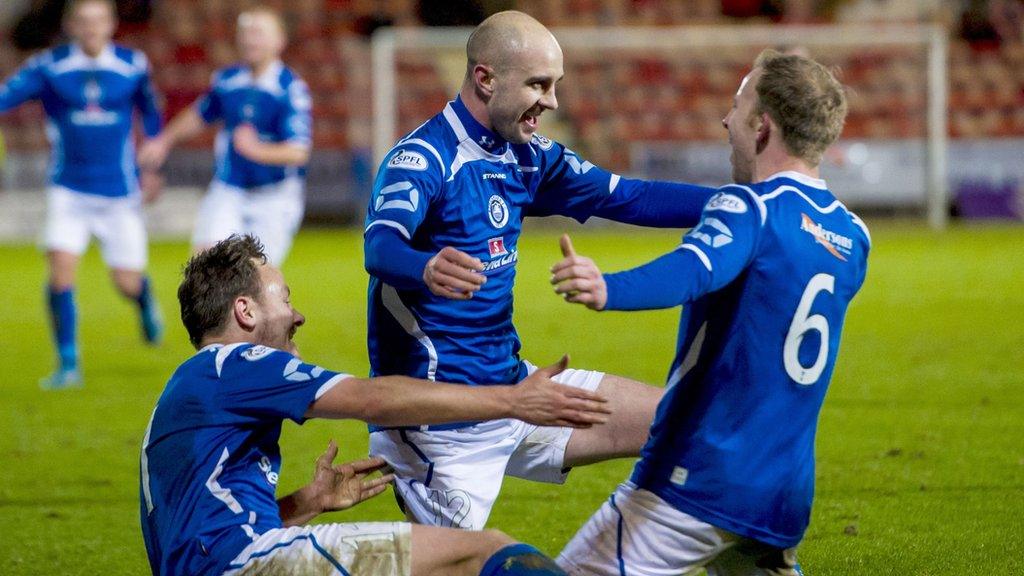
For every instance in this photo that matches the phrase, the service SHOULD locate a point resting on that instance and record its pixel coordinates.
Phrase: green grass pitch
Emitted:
(920, 445)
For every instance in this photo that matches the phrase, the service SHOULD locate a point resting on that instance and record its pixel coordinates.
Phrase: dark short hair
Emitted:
(213, 279)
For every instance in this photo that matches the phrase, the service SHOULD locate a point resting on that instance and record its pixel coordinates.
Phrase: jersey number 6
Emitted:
(803, 322)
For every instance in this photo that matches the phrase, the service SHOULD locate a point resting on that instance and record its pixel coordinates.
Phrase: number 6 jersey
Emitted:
(766, 278)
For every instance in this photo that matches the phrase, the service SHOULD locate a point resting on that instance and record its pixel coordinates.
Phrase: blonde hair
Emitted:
(73, 5)
(274, 15)
(804, 99)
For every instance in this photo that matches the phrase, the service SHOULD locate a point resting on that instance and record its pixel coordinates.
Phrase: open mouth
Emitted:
(530, 119)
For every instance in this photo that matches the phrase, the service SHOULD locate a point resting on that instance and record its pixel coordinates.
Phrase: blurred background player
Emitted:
(441, 246)
(210, 459)
(727, 478)
(262, 147)
(89, 90)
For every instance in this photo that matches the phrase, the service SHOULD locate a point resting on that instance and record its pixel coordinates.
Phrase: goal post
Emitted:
(898, 70)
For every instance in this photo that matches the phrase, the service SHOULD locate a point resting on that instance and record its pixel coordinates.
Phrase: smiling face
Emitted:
(743, 125)
(91, 24)
(260, 37)
(524, 87)
(276, 320)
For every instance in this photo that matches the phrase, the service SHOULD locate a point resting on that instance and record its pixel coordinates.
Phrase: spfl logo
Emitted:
(408, 160)
(836, 244)
(497, 211)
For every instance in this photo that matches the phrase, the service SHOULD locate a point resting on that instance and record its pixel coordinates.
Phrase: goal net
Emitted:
(648, 102)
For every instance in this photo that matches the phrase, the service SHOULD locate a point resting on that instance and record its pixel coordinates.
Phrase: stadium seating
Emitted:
(664, 99)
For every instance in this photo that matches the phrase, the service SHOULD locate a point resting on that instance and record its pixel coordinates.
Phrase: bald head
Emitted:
(504, 39)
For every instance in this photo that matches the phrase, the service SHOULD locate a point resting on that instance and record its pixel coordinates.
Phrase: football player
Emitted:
(726, 479)
(89, 90)
(263, 144)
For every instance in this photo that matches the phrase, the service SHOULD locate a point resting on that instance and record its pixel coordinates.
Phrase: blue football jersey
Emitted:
(452, 182)
(766, 279)
(89, 104)
(278, 106)
(210, 458)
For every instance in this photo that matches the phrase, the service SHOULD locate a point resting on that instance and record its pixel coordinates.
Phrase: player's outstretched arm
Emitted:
(334, 487)
(153, 152)
(710, 256)
(402, 401)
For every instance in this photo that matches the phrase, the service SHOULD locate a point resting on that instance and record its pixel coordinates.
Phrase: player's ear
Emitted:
(245, 312)
(764, 131)
(483, 77)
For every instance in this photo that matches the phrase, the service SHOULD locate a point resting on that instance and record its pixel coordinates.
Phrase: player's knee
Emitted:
(493, 540)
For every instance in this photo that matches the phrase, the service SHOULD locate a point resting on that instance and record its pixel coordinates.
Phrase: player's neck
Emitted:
(92, 51)
(231, 335)
(775, 158)
(477, 108)
(260, 67)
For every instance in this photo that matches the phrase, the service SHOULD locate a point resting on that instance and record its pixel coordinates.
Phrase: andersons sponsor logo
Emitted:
(836, 244)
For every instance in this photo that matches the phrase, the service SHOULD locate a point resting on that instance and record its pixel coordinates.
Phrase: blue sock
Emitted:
(64, 319)
(149, 313)
(520, 560)
(145, 297)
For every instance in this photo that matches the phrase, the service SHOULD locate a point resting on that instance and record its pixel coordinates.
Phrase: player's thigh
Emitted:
(364, 548)
(633, 405)
(121, 229)
(540, 454)
(637, 533)
(67, 227)
(448, 478)
(274, 215)
(219, 215)
(447, 552)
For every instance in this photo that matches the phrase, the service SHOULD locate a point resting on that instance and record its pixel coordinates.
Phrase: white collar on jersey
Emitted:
(268, 80)
(801, 178)
(105, 60)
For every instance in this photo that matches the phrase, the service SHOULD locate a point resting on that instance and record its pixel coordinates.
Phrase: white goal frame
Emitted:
(387, 42)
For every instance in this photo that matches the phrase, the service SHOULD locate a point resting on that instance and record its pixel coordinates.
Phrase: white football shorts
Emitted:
(73, 218)
(272, 213)
(451, 478)
(364, 548)
(637, 533)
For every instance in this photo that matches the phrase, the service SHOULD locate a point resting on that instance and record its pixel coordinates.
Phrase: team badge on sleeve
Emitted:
(408, 160)
(727, 203)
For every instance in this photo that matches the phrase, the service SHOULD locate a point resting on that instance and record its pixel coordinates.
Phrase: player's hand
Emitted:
(454, 274)
(540, 400)
(152, 185)
(578, 279)
(246, 141)
(153, 153)
(340, 486)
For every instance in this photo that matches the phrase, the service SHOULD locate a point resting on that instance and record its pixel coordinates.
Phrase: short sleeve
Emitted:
(409, 178)
(259, 383)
